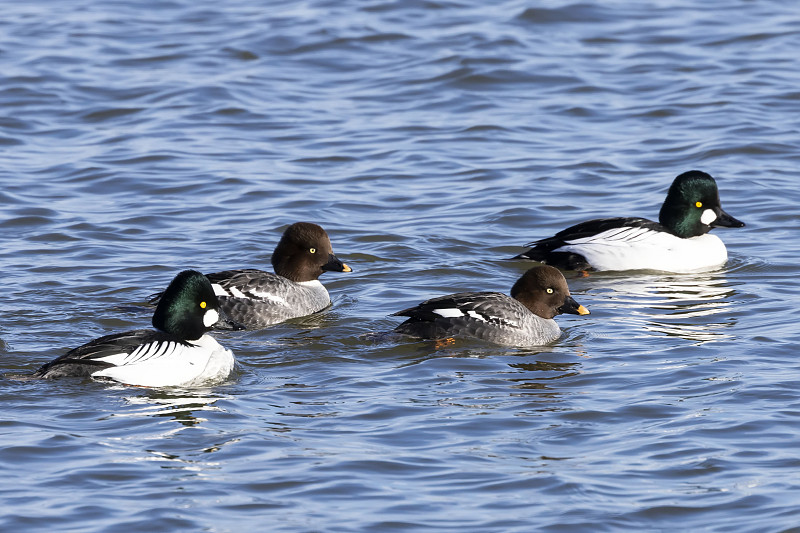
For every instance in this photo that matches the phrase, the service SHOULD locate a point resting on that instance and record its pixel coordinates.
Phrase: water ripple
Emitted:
(432, 139)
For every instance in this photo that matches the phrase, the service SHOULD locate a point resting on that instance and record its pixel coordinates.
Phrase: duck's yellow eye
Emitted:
(698, 204)
(549, 291)
(203, 305)
(313, 250)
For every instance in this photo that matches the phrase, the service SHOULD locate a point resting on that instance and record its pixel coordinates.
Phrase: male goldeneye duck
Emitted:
(678, 242)
(255, 299)
(177, 352)
(523, 319)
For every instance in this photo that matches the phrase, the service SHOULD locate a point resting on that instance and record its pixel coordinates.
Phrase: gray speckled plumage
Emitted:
(523, 319)
(490, 316)
(257, 299)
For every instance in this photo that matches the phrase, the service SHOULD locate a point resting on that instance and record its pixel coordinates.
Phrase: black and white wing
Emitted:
(112, 350)
(563, 250)
(247, 283)
(244, 283)
(463, 312)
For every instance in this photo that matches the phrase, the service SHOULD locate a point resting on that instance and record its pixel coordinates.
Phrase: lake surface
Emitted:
(432, 139)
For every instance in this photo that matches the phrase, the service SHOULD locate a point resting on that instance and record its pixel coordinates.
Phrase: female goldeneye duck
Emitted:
(256, 299)
(678, 242)
(523, 319)
(177, 352)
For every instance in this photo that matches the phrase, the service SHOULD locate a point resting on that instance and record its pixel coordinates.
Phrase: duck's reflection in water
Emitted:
(167, 426)
(180, 405)
(696, 307)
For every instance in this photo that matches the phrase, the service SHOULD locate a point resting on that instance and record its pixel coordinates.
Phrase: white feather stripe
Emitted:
(163, 350)
(237, 293)
(620, 236)
(218, 290)
(142, 353)
(477, 316)
(269, 296)
(449, 312)
(146, 351)
(203, 361)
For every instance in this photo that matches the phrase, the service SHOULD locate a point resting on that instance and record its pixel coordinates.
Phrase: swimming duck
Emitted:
(679, 242)
(523, 319)
(256, 299)
(177, 352)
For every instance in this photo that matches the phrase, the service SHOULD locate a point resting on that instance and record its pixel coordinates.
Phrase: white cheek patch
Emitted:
(449, 313)
(708, 217)
(210, 318)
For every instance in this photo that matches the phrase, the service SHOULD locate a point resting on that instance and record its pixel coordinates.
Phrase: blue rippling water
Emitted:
(432, 139)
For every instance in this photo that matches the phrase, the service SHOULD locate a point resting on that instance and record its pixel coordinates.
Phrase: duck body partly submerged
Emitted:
(679, 242)
(523, 319)
(179, 352)
(256, 299)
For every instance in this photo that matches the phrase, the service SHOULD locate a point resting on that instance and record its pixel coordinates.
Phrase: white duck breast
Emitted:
(634, 248)
(164, 364)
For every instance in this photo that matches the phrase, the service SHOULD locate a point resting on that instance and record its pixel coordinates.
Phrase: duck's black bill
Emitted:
(572, 307)
(334, 265)
(724, 220)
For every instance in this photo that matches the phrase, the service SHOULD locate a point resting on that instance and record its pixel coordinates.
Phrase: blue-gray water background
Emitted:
(431, 139)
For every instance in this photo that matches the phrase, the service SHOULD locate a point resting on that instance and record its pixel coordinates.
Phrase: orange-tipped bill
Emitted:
(335, 265)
